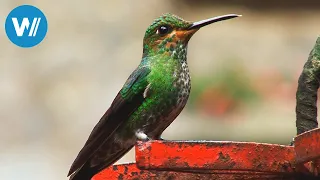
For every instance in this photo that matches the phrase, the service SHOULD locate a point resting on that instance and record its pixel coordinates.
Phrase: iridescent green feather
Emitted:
(167, 19)
(150, 36)
(135, 84)
(161, 82)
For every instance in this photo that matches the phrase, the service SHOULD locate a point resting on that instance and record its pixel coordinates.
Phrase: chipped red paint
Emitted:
(131, 172)
(212, 160)
(307, 149)
(210, 155)
(120, 172)
(307, 146)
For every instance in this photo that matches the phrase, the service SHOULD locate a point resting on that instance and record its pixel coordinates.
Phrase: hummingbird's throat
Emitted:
(177, 49)
(175, 44)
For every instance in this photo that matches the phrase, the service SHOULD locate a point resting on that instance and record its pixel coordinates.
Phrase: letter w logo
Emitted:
(25, 24)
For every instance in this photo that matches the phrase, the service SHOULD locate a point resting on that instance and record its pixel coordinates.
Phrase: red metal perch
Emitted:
(189, 160)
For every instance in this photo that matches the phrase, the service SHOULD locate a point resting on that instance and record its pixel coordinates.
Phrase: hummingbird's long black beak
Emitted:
(199, 24)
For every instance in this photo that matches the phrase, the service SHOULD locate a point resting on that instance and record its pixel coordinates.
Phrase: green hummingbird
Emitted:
(152, 97)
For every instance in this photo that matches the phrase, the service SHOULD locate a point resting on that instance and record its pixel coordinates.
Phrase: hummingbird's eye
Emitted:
(164, 29)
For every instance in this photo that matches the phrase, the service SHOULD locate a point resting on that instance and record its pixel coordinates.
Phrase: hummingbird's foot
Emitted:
(142, 136)
(292, 142)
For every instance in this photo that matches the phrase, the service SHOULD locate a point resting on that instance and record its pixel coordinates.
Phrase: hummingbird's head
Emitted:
(169, 32)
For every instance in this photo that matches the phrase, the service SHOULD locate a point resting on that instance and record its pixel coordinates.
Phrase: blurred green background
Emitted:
(244, 75)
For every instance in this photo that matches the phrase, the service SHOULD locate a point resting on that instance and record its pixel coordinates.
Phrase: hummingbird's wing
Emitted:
(126, 102)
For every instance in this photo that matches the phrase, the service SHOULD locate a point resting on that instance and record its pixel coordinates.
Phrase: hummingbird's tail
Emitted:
(82, 175)
(86, 172)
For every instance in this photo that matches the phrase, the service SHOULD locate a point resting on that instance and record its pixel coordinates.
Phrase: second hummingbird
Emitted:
(152, 97)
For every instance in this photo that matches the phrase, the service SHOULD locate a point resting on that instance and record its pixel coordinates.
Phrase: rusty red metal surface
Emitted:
(210, 155)
(192, 160)
(307, 146)
(307, 149)
(131, 172)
